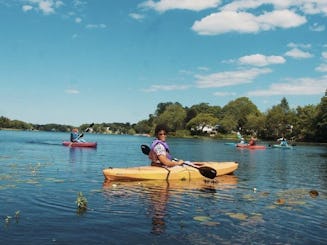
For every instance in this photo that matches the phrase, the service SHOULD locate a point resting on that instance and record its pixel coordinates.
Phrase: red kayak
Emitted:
(250, 146)
(80, 144)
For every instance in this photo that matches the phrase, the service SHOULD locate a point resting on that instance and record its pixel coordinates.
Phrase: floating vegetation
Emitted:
(314, 193)
(254, 219)
(280, 201)
(239, 216)
(294, 197)
(81, 202)
(8, 218)
(201, 218)
(5, 177)
(206, 220)
(3, 187)
(210, 223)
(17, 214)
(32, 182)
(35, 169)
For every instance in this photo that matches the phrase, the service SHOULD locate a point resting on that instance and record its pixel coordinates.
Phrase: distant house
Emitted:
(208, 129)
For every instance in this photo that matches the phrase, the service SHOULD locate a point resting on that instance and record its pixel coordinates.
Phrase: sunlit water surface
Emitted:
(266, 201)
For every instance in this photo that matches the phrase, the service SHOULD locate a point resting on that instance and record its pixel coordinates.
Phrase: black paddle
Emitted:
(86, 130)
(205, 171)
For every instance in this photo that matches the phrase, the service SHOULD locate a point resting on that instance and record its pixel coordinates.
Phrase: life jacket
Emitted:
(73, 137)
(153, 156)
(283, 141)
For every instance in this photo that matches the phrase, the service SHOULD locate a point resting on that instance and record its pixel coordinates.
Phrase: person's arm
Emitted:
(165, 161)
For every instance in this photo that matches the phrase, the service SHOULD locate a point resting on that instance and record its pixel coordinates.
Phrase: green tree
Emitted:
(238, 110)
(228, 124)
(173, 116)
(304, 128)
(321, 120)
(202, 120)
(4, 122)
(143, 127)
(255, 123)
(279, 120)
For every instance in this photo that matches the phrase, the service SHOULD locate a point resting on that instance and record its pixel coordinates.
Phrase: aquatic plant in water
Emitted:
(8, 218)
(81, 202)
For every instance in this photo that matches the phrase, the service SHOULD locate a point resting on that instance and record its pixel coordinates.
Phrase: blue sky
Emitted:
(83, 61)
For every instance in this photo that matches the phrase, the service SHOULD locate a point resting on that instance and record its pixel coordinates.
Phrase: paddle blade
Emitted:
(88, 129)
(208, 172)
(145, 149)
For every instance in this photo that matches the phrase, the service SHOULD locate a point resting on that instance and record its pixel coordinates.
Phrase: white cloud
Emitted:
(309, 7)
(78, 20)
(78, 3)
(316, 27)
(301, 86)
(261, 60)
(324, 55)
(322, 68)
(155, 88)
(194, 5)
(136, 16)
(27, 8)
(243, 22)
(229, 78)
(298, 54)
(96, 26)
(72, 91)
(224, 94)
(299, 45)
(45, 6)
(313, 7)
(203, 68)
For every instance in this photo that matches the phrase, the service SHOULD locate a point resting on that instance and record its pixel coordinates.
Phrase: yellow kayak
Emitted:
(184, 172)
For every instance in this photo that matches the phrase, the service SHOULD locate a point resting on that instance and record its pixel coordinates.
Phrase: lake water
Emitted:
(266, 201)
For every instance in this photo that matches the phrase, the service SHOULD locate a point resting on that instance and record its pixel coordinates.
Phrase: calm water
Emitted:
(266, 201)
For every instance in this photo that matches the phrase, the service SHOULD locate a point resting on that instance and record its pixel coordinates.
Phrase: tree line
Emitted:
(306, 124)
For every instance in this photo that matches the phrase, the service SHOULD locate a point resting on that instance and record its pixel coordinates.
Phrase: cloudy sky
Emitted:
(83, 61)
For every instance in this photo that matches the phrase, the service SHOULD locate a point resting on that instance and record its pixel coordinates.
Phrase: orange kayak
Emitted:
(184, 172)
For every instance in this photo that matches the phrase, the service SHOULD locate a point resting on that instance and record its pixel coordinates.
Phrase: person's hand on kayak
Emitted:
(179, 162)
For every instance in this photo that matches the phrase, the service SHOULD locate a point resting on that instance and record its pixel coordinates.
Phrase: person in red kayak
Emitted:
(75, 136)
(159, 153)
(253, 140)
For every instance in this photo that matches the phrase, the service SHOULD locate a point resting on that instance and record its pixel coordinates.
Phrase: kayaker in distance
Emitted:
(283, 141)
(159, 153)
(75, 136)
(253, 140)
(240, 137)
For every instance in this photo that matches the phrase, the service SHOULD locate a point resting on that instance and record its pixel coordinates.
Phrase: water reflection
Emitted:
(158, 194)
(76, 154)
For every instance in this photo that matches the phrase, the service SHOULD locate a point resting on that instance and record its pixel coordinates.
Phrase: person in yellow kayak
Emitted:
(159, 150)
(75, 136)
